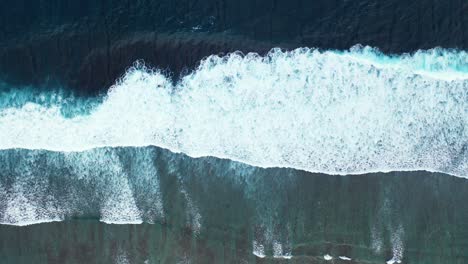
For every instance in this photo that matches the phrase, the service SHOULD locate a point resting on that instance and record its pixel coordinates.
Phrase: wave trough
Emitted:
(333, 112)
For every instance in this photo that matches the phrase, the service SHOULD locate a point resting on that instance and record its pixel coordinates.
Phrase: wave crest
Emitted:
(333, 112)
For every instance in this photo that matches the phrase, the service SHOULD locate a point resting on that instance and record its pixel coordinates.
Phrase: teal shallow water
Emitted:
(89, 180)
(209, 210)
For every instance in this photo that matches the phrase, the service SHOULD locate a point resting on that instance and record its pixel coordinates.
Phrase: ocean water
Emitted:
(301, 156)
(147, 203)
(333, 112)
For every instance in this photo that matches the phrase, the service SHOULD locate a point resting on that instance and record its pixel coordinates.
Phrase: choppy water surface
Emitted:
(238, 161)
(169, 207)
(331, 112)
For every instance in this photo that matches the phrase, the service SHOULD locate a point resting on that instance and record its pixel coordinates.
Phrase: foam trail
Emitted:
(333, 112)
(258, 249)
(116, 185)
(23, 211)
(121, 208)
(280, 252)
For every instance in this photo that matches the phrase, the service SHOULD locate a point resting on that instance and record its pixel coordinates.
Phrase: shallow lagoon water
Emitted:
(180, 209)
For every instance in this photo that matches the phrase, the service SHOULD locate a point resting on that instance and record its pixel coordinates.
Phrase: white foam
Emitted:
(327, 257)
(345, 258)
(145, 170)
(258, 249)
(393, 261)
(279, 252)
(120, 186)
(397, 246)
(122, 258)
(332, 112)
(23, 209)
(120, 208)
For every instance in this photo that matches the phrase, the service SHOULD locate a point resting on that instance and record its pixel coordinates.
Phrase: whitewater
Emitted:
(334, 112)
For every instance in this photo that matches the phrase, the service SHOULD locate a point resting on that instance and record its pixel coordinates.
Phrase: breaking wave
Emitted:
(333, 112)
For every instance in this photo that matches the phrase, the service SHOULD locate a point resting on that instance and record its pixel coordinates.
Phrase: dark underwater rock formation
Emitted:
(88, 44)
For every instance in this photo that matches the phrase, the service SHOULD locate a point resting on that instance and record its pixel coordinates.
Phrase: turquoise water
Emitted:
(209, 210)
(351, 112)
(300, 156)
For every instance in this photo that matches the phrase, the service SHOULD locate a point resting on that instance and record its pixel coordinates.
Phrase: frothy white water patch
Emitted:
(327, 257)
(397, 246)
(258, 249)
(345, 258)
(26, 203)
(333, 112)
(393, 261)
(436, 63)
(22, 211)
(120, 186)
(122, 258)
(146, 171)
(120, 208)
(280, 252)
(269, 243)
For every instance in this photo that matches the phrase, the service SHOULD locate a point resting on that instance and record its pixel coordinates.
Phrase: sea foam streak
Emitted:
(333, 112)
